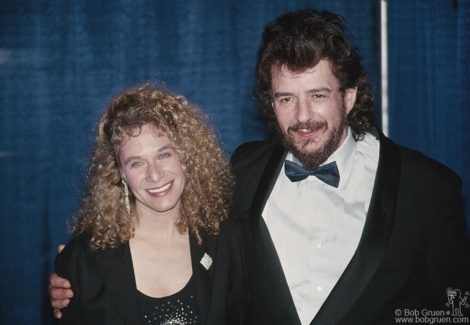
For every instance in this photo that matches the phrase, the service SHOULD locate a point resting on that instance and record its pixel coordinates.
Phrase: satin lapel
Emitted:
(263, 262)
(203, 278)
(267, 181)
(374, 240)
(118, 277)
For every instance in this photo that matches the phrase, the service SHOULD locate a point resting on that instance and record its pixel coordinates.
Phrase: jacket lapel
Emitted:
(118, 277)
(265, 267)
(204, 275)
(374, 240)
(116, 267)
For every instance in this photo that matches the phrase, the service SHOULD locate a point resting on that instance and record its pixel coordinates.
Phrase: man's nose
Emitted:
(304, 110)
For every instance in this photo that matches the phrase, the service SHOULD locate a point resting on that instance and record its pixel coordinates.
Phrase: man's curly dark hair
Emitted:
(299, 40)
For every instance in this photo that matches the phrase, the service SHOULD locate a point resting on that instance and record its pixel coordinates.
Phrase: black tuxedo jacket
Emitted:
(105, 290)
(412, 248)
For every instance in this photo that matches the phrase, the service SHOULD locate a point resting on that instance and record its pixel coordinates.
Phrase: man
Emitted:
(340, 225)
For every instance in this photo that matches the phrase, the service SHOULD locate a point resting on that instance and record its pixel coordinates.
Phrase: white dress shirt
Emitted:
(316, 227)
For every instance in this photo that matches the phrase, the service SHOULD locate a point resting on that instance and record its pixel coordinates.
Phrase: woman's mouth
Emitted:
(160, 190)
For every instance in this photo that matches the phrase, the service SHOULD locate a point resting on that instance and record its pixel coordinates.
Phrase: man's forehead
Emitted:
(316, 76)
(286, 68)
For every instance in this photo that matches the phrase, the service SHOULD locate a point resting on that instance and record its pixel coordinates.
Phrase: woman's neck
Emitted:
(157, 225)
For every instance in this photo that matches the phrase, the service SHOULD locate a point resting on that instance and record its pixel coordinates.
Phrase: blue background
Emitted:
(60, 61)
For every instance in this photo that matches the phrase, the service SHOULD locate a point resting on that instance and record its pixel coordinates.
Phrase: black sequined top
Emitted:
(177, 309)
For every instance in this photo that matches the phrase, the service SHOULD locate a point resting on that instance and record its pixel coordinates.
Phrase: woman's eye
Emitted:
(136, 164)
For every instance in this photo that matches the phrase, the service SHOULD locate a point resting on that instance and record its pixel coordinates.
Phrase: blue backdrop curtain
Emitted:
(429, 84)
(61, 61)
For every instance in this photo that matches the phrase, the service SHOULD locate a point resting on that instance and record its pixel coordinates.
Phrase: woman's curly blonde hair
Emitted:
(206, 197)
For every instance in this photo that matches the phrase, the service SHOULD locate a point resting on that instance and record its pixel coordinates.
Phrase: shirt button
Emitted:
(319, 288)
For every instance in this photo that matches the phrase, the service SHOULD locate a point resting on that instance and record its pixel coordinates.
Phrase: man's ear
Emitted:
(349, 98)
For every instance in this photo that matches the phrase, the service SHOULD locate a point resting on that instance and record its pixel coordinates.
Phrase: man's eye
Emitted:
(285, 99)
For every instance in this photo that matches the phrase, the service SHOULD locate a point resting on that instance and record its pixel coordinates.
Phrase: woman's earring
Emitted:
(126, 198)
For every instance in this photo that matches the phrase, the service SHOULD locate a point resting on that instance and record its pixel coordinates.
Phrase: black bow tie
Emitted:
(328, 173)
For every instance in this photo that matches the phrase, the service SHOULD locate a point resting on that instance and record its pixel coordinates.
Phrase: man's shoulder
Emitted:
(417, 164)
(250, 151)
(420, 163)
(254, 146)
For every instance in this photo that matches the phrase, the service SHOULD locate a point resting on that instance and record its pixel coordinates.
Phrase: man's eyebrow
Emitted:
(311, 91)
(282, 94)
(320, 90)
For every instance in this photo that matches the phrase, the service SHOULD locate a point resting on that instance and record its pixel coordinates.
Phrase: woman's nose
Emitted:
(154, 173)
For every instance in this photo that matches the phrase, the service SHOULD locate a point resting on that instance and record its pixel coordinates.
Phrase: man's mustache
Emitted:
(306, 125)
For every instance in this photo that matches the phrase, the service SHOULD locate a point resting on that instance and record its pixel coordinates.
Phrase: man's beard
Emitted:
(312, 160)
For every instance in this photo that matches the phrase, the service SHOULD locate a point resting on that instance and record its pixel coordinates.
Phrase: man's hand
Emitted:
(60, 291)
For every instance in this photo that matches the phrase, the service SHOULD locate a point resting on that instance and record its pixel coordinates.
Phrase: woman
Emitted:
(151, 245)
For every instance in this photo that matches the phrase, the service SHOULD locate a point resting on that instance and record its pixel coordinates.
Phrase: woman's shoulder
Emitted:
(80, 242)
(75, 249)
(229, 239)
(231, 226)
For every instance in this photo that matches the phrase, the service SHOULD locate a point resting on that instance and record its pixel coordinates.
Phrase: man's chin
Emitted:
(307, 147)
(311, 154)
(307, 151)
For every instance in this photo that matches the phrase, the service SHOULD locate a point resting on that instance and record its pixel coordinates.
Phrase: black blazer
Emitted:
(105, 290)
(413, 245)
